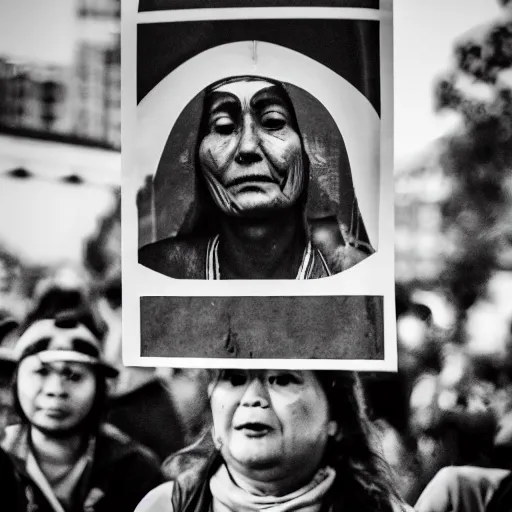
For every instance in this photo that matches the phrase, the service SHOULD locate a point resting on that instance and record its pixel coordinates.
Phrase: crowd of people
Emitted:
(82, 432)
(450, 414)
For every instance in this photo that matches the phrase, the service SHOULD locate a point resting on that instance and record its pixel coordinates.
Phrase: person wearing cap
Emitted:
(71, 460)
(252, 187)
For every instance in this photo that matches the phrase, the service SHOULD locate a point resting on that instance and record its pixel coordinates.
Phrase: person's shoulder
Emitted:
(190, 463)
(125, 470)
(15, 441)
(502, 497)
(19, 492)
(178, 257)
(114, 444)
(111, 435)
(124, 465)
(458, 481)
(157, 500)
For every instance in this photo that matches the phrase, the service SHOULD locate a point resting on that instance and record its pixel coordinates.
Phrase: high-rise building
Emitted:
(80, 103)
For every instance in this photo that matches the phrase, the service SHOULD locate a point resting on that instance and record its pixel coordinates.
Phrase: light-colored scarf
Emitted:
(228, 497)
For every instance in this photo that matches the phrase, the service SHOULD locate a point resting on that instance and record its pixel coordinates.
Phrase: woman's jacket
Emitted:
(121, 474)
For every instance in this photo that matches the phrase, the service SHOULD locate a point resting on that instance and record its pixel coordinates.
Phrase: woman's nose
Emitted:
(249, 141)
(256, 395)
(54, 386)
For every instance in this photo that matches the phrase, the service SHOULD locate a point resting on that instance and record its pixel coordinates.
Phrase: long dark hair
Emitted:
(363, 479)
(204, 217)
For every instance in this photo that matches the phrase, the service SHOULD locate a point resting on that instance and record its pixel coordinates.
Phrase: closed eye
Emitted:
(273, 120)
(223, 125)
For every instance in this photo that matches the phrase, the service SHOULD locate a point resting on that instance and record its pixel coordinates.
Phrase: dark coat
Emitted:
(148, 415)
(501, 500)
(13, 491)
(121, 474)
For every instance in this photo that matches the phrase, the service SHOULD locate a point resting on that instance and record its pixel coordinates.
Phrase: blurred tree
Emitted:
(478, 159)
(102, 253)
(9, 270)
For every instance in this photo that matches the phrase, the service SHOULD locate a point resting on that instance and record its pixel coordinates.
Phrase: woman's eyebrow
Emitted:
(268, 96)
(222, 101)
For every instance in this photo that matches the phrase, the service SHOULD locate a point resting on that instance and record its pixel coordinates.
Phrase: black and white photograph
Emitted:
(272, 169)
(258, 149)
(256, 206)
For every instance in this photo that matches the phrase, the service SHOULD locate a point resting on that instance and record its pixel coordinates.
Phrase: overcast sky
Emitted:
(38, 29)
(424, 35)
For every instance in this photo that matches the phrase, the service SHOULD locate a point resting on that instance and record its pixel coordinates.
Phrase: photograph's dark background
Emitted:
(349, 47)
(157, 5)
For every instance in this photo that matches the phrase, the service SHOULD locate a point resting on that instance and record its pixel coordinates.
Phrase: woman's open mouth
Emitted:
(254, 429)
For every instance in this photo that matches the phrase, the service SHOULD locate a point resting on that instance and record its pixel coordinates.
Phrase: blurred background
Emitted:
(451, 400)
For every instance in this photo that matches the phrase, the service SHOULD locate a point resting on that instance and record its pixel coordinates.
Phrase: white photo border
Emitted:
(373, 276)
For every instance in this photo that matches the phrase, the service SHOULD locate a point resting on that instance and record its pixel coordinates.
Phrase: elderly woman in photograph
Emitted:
(280, 441)
(253, 174)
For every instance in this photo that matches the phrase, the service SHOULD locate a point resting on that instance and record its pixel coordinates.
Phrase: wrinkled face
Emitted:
(272, 420)
(251, 155)
(55, 397)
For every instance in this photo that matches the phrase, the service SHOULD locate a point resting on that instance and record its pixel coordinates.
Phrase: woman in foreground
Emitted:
(282, 441)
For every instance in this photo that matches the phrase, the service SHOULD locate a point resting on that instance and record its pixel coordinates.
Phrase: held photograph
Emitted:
(261, 204)
(258, 149)
(255, 140)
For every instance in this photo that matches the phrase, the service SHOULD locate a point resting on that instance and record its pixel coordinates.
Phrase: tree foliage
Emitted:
(102, 252)
(478, 158)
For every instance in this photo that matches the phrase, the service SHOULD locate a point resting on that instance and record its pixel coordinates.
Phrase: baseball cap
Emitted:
(63, 338)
